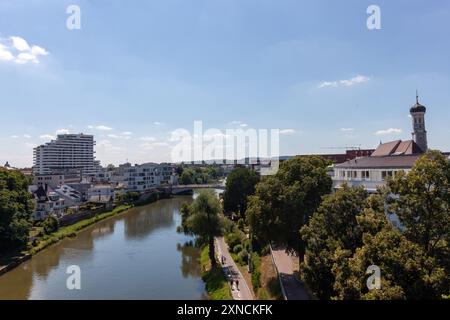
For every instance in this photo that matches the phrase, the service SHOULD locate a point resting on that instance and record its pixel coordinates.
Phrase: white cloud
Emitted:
(160, 144)
(14, 136)
(104, 144)
(388, 132)
(287, 132)
(152, 145)
(18, 50)
(27, 136)
(238, 123)
(148, 139)
(5, 54)
(25, 57)
(358, 79)
(30, 145)
(127, 133)
(38, 51)
(20, 44)
(156, 123)
(62, 131)
(347, 129)
(100, 128)
(326, 84)
(46, 137)
(119, 136)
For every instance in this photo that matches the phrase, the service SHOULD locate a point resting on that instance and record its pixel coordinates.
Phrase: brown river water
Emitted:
(136, 255)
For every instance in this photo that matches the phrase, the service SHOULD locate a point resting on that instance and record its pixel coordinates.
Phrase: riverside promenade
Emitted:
(232, 272)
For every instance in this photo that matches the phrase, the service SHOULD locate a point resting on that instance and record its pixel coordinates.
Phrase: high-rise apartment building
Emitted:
(67, 153)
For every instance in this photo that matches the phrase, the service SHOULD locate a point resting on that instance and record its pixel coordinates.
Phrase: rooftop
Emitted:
(397, 147)
(394, 162)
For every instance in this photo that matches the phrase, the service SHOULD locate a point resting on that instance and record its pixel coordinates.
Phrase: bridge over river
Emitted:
(189, 188)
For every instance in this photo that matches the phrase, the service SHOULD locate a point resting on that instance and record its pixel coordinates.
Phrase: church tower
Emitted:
(419, 133)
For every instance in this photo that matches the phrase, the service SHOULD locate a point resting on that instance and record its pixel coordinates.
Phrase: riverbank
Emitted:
(62, 233)
(215, 282)
(12, 260)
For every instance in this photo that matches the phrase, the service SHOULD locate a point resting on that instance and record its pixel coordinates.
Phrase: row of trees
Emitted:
(337, 236)
(15, 210)
(200, 175)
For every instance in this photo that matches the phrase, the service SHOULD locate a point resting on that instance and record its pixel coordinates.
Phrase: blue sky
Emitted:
(137, 70)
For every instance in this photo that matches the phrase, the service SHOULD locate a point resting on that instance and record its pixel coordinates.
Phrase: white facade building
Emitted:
(101, 193)
(67, 152)
(138, 177)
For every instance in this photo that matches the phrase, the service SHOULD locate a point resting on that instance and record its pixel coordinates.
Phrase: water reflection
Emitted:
(137, 255)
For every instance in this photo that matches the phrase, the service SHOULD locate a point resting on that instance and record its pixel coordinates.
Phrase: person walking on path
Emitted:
(232, 272)
(237, 284)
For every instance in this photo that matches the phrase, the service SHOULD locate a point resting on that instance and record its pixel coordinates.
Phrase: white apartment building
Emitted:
(67, 152)
(101, 193)
(372, 172)
(138, 177)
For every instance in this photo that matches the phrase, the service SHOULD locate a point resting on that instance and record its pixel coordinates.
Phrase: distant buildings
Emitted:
(47, 202)
(67, 152)
(142, 177)
(101, 193)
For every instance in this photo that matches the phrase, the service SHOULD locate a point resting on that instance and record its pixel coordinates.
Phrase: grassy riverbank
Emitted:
(215, 281)
(9, 261)
(72, 230)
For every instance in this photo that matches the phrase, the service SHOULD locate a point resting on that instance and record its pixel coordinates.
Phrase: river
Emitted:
(136, 255)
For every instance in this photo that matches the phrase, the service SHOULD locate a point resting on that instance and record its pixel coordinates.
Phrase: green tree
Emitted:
(187, 177)
(202, 218)
(406, 271)
(423, 204)
(15, 209)
(334, 226)
(240, 184)
(50, 224)
(283, 203)
(131, 196)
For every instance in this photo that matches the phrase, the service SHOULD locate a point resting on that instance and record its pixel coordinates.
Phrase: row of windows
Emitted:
(365, 174)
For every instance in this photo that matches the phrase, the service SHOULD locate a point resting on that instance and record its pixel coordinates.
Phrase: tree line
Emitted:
(338, 235)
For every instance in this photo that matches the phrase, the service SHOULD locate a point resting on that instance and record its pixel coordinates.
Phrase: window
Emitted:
(365, 174)
(385, 174)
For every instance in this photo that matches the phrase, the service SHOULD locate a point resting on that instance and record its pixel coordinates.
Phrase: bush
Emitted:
(241, 224)
(50, 225)
(256, 270)
(242, 257)
(237, 248)
(233, 239)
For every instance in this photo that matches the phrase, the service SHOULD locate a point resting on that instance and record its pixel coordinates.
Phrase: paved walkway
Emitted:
(232, 271)
(293, 287)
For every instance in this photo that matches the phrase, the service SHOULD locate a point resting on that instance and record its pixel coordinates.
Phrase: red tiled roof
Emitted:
(397, 147)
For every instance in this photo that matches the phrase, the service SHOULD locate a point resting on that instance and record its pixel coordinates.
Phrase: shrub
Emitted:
(233, 239)
(237, 248)
(256, 270)
(242, 257)
(50, 225)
